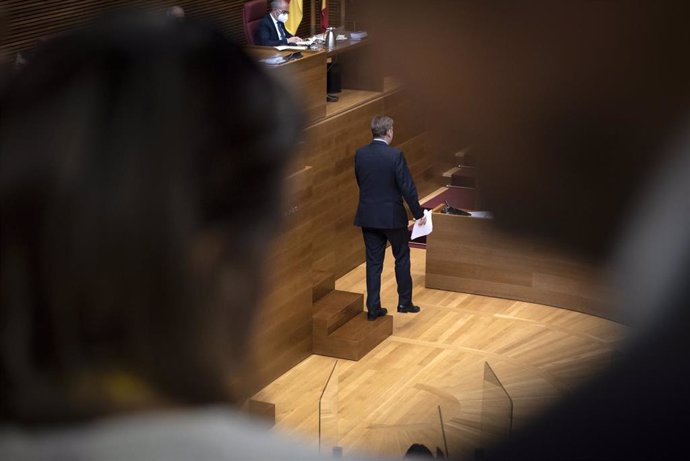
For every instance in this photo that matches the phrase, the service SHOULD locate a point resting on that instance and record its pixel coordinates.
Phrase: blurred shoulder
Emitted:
(213, 433)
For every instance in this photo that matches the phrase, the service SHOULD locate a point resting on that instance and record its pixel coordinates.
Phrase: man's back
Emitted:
(383, 179)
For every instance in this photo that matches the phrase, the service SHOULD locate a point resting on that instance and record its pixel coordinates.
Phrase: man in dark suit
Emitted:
(271, 31)
(383, 179)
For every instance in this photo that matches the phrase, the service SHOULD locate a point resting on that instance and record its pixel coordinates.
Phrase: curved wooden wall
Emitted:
(469, 255)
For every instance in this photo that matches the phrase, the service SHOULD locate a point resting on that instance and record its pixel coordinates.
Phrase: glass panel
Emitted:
(448, 416)
(497, 409)
(328, 415)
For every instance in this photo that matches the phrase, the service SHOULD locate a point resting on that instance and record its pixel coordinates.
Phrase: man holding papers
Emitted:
(384, 179)
(271, 30)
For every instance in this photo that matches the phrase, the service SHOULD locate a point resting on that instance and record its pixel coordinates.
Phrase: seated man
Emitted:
(271, 30)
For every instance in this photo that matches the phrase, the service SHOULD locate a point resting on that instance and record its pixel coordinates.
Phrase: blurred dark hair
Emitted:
(418, 450)
(122, 147)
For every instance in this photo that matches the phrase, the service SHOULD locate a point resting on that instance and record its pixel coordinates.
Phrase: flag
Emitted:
(294, 16)
(324, 14)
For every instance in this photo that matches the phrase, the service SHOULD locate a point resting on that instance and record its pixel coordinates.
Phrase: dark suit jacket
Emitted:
(383, 179)
(267, 35)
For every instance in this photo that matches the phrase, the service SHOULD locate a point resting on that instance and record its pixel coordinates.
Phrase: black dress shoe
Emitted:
(409, 309)
(376, 314)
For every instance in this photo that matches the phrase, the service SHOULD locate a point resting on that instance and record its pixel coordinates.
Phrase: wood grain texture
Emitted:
(282, 333)
(265, 411)
(468, 255)
(361, 70)
(334, 310)
(306, 78)
(322, 283)
(341, 328)
(389, 399)
(355, 338)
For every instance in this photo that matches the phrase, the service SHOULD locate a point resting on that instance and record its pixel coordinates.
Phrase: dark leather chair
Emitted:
(252, 14)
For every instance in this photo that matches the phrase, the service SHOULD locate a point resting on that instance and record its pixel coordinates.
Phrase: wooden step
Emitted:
(322, 283)
(465, 176)
(334, 310)
(355, 338)
(449, 173)
(266, 411)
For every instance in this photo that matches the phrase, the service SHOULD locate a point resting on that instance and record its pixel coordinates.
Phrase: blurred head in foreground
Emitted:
(567, 105)
(140, 167)
(579, 115)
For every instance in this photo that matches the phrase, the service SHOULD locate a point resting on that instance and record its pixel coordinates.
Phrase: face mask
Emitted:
(282, 17)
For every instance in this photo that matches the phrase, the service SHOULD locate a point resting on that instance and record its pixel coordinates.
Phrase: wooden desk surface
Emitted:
(263, 52)
(341, 46)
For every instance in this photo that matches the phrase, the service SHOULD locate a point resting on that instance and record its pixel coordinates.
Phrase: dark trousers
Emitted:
(375, 245)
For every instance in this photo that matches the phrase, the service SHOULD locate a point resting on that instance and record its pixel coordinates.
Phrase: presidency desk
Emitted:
(307, 75)
(318, 242)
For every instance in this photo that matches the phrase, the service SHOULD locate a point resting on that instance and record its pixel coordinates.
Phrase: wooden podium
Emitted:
(469, 255)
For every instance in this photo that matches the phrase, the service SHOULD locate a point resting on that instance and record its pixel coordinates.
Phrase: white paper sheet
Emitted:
(418, 230)
(274, 60)
(290, 47)
(307, 42)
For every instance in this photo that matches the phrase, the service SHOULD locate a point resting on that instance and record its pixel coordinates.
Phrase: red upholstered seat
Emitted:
(252, 13)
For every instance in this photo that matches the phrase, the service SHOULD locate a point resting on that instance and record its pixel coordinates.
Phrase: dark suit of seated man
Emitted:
(383, 179)
(271, 30)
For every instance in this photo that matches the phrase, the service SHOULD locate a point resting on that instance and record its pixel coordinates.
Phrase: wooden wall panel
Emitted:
(469, 255)
(306, 78)
(282, 335)
(406, 110)
(411, 136)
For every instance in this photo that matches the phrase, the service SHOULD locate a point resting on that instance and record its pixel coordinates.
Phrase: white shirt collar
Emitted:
(275, 24)
(381, 139)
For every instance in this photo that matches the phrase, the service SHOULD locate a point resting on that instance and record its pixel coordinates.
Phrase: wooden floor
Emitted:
(390, 399)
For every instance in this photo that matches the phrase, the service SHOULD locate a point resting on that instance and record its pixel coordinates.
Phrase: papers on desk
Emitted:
(481, 214)
(274, 61)
(306, 42)
(420, 231)
(290, 47)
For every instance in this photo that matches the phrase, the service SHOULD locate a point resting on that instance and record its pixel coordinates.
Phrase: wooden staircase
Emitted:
(323, 282)
(341, 328)
(464, 176)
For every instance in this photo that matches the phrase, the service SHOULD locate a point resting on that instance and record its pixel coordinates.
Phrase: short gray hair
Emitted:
(276, 3)
(380, 125)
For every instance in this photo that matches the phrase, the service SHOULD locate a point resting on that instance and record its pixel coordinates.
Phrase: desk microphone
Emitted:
(293, 56)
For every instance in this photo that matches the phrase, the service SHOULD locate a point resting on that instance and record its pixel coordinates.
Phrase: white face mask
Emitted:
(282, 17)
